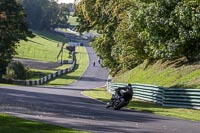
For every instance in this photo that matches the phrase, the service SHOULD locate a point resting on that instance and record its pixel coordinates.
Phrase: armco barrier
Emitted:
(44, 79)
(171, 97)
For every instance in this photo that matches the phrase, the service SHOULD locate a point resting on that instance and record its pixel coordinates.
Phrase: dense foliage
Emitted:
(104, 16)
(135, 30)
(169, 28)
(13, 28)
(16, 70)
(45, 14)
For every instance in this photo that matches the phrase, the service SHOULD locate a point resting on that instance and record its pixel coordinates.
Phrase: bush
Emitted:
(16, 70)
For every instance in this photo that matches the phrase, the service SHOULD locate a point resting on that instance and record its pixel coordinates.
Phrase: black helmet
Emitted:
(129, 85)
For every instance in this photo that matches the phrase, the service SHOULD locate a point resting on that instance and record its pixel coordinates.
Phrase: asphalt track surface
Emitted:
(67, 107)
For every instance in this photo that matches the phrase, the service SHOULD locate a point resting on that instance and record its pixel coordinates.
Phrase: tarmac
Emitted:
(67, 107)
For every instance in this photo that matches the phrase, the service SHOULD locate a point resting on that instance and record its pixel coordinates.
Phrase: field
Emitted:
(45, 46)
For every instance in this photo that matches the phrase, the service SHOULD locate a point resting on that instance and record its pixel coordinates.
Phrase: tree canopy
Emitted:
(13, 28)
(136, 30)
(170, 28)
(45, 14)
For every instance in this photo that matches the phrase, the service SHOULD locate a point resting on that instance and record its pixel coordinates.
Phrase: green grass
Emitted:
(2, 84)
(72, 20)
(167, 74)
(138, 105)
(10, 124)
(68, 31)
(37, 73)
(51, 36)
(64, 66)
(82, 63)
(44, 46)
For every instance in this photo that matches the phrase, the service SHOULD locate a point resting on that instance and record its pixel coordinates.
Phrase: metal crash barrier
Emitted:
(170, 97)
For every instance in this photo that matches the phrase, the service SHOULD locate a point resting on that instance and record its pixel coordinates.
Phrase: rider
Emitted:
(129, 92)
(126, 92)
(121, 92)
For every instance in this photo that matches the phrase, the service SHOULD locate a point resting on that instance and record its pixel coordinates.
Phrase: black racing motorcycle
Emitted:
(121, 98)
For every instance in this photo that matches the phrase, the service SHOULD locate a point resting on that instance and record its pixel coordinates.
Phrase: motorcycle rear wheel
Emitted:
(121, 104)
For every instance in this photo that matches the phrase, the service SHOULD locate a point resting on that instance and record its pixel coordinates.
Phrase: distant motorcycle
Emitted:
(121, 98)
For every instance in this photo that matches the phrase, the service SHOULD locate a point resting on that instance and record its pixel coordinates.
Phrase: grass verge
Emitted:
(10, 124)
(36, 73)
(2, 84)
(138, 105)
(82, 63)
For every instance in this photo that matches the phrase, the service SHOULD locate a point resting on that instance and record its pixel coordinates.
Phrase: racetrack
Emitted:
(66, 106)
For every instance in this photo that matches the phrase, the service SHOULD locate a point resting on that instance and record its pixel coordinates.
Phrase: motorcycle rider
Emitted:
(126, 91)
(122, 92)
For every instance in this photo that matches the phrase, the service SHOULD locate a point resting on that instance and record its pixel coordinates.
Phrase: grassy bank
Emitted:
(138, 105)
(176, 73)
(45, 46)
(82, 63)
(10, 124)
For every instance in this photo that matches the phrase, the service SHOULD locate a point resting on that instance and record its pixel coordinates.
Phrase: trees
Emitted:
(62, 16)
(12, 29)
(45, 14)
(186, 16)
(104, 16)
(170, 28)
(129, 50)
(135, 30)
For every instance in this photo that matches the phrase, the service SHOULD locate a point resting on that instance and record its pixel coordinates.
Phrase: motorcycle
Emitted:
(121, 98)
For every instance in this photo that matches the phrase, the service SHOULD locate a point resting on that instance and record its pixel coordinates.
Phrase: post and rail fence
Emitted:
(44, 79)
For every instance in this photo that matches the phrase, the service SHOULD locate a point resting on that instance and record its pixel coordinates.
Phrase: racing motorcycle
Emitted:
(121, 98)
